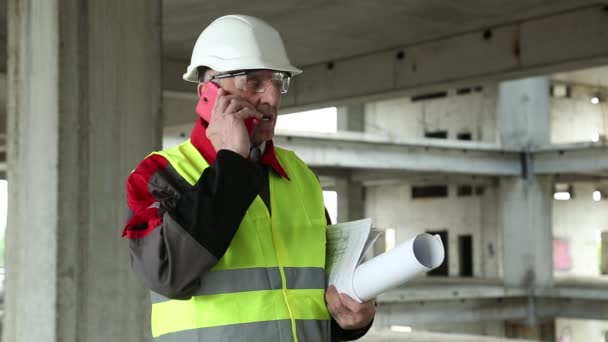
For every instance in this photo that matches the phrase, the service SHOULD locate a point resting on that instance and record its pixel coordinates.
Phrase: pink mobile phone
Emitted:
(207, 101)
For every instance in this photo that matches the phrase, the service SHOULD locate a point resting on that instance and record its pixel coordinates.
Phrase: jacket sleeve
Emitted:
(176, 231)
(339, 334)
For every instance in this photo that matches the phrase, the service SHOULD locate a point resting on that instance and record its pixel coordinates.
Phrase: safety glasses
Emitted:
(256, 81)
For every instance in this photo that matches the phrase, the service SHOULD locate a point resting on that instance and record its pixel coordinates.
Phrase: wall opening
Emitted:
(429, 191)
(464, 136)
(430, 96)
(464, 191)
(323, 120)
(465, 255)
(440, 134)
(330, 198)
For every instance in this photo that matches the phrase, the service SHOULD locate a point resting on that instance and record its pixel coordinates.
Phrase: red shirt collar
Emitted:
(199, 139)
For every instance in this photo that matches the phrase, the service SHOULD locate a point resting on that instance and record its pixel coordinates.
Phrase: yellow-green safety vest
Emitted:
(270, 283)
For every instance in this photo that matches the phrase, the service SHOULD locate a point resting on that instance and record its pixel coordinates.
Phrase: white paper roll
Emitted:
(395, 267)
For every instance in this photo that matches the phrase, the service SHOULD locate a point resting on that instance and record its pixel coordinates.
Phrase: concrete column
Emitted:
(351, 118)
(3, 33)
(84, 108)
(524, 202)
(604, 253)
(491, 242)
(350, 200)
(524, 111)
(3, 94)
(350, 194)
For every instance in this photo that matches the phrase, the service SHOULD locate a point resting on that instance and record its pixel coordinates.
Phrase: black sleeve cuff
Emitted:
(338, 334)
(212, 210)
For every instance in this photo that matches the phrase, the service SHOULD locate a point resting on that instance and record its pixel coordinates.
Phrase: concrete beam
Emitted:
(453, 292)
(451, 300)
(491, 309)
(592, 309)
(521, 49)
(377, 159)
(352, 150)
(375, 177)
(409, 313)
(571, 158)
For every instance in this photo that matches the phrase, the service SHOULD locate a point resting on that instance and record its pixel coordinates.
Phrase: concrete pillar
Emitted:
(351, 118)
(604, 253)
(3, 33)
(84, 108)
(350, 193)
(491, 242)
(524, 202)
(524, 111)
(3, 94)
(350, 200)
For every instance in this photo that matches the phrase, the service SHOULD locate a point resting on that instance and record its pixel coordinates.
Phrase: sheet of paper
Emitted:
(345, 245)
(373, 236)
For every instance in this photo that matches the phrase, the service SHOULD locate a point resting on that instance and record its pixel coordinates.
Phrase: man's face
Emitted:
(266, 102)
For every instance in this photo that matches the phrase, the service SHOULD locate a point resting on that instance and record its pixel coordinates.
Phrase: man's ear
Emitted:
(200, 88)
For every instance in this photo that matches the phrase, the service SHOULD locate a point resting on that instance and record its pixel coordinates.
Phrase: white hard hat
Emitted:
(239, 42)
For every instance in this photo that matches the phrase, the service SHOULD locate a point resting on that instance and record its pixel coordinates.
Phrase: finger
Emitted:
(226, 99)
(242, 110)
(248, 112)
(232, 109)
(234, 102)
(219, 94)
(221, 102)
(333, 301)
(351, 304)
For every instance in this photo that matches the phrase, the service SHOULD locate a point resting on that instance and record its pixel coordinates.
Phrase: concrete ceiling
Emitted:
(320, 30)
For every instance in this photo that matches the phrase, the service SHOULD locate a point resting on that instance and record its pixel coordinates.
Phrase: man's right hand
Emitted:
(227, 130)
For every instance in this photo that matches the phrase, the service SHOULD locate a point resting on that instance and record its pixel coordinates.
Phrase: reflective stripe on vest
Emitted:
(308, 330)
(227, 281)
(272, 272)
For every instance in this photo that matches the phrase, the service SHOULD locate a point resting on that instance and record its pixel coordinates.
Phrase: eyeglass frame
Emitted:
(224, 75)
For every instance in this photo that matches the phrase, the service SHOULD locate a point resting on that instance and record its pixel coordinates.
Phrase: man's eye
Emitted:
(254, 83)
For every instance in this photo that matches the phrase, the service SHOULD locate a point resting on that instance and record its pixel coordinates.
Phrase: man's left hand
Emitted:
(348, 313)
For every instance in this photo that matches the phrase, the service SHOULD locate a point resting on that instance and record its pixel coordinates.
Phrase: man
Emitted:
(227, 230)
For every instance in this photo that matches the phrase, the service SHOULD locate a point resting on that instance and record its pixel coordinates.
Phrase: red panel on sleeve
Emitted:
(145, 216)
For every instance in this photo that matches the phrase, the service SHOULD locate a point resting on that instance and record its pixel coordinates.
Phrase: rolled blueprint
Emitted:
(395, 267)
